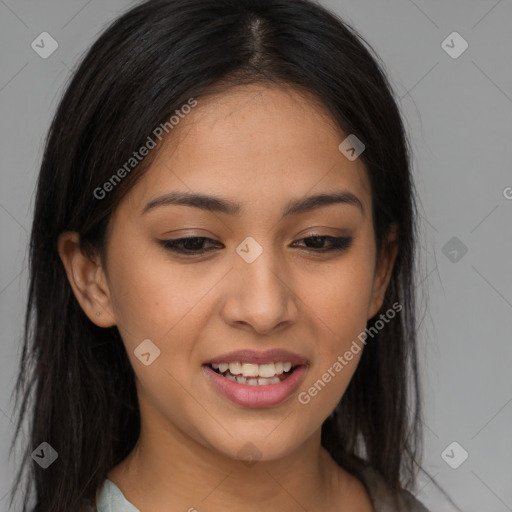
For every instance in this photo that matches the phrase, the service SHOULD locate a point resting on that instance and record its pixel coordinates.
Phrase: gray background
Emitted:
(459, 115)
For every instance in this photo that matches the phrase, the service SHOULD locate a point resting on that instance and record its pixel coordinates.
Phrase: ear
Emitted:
(87, 279)
(383, 271)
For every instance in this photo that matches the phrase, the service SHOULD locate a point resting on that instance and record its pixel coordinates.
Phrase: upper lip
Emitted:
(259, 357)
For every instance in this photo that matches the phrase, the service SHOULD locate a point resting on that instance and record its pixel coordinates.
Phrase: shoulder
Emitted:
(110, 499)
(382, 498)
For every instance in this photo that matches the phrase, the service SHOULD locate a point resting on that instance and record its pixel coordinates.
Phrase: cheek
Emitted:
(340, 300)
(342, 296)
(151, 296)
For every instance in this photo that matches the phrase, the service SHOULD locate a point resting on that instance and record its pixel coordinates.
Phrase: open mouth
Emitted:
(258, 383)
(252, 374)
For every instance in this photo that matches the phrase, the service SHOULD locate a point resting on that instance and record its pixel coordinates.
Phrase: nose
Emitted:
(260, 296)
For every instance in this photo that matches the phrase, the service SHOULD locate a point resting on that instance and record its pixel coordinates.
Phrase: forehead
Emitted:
(256, 144)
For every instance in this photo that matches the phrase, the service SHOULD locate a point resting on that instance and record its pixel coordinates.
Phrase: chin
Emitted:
(261, 442)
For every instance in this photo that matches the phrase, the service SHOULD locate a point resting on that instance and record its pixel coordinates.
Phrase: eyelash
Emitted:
(337, 244)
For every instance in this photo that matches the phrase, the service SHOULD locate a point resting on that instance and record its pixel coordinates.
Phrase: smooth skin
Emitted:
(260, 146)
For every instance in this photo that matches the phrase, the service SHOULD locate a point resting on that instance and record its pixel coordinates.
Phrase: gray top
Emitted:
(381, 498)
(111, 499)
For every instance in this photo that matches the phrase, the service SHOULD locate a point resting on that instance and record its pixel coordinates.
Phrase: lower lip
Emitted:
(256, 396)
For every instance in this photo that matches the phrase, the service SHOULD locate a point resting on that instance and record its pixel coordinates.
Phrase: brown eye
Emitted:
(195, 245)
(191, 245)
(316, 243)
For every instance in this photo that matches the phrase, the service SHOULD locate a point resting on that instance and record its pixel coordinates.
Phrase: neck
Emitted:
(168, 466)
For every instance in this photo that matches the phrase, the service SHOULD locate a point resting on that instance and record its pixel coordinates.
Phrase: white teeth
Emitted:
(266, 382)
(235, 368)
(250, 370)
(267, 370)
(260, 381)
(251, 373)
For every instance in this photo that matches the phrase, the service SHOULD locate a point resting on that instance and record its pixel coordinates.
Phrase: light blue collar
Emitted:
(111, 499)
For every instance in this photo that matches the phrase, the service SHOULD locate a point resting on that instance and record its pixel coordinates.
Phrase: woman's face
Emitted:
(263, 294)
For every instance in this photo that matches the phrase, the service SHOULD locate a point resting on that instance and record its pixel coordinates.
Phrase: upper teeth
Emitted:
(253, 370)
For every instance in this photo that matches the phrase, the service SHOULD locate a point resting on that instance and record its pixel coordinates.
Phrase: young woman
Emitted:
(221, 308)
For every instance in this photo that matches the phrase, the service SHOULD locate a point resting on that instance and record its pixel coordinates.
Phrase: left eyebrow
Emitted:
(218, 204)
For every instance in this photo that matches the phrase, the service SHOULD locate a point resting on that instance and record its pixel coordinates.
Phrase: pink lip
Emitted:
(255, 396)
(256, 357)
